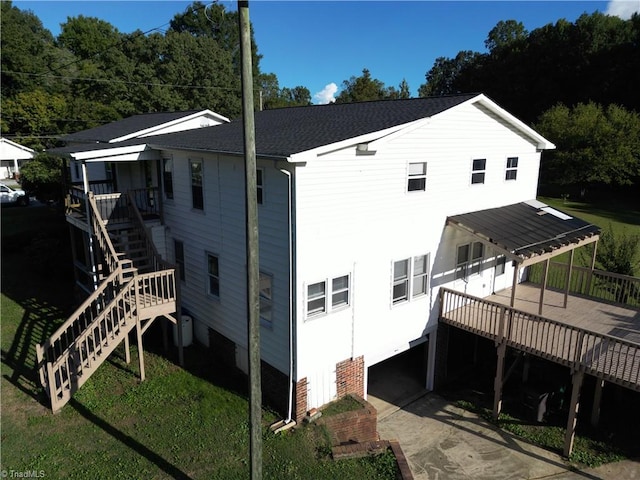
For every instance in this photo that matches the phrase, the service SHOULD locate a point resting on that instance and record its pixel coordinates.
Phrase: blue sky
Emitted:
(319, 44)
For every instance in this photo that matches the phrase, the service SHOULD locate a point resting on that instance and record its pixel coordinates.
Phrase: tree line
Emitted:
(576, 83)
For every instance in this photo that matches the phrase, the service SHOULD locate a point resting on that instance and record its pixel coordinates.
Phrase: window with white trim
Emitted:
(410, 278)
(213, 274)
(197, 192)
(266, 299)
(478, 170)
(417, 177)
(167, 177)
(512, 168)
(321, 300)
(420, 275)
(316, 298)
(469, 259)
(501, 262)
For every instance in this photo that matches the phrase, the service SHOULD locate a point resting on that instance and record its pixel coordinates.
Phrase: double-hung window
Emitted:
(512, 168)
(167, 177)
(501, 262)
(213, 274)
(410, 278)
(478, 170)
(197, 193)
(469, 259)
(322, 300)
(178, 255)
(417, 177)
(266, 299)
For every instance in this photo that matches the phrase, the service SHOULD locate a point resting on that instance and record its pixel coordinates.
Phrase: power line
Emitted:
(123, 82)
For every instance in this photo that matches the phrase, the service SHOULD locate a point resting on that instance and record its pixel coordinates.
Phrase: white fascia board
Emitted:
(155, 128)
(542, 143)
(109, 154)
(368, 138)
(17, 145)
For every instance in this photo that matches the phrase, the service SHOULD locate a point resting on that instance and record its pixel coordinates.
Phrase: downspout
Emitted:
(85, 183)
(291, 279)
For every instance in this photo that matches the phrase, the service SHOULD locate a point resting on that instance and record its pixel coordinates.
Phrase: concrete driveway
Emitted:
(443, 442)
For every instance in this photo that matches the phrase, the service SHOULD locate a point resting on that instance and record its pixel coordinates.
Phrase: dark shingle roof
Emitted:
(126, 126)
(286, 131)
(527, 229)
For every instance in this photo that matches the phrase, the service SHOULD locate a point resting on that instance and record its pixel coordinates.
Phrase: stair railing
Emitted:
(104, 241)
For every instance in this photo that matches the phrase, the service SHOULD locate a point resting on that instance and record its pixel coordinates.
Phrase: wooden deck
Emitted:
(581, 312)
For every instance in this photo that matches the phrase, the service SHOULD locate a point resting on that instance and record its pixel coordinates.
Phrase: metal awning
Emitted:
(527, 232)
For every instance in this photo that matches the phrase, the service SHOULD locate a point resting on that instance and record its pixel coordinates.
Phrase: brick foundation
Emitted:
(355, 426)
(300, 399)
(350, 377)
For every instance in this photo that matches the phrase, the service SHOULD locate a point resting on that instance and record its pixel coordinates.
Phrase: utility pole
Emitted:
(253, 269)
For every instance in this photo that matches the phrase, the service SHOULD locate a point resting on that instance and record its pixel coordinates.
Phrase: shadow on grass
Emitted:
(159, 461)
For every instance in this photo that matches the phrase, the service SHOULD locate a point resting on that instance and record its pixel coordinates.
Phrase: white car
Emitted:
(10, 196)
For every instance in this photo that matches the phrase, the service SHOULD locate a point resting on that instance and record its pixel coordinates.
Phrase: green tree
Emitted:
(618, 253)
(42, 177)
(505, 35)
(363, 88)
(595, 146)
(443, 76)
(402, 92)
(27, 49)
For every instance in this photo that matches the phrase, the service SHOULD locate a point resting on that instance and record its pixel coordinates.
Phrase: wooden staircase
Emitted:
(135, 287)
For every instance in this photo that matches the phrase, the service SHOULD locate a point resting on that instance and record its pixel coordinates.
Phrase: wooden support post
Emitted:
(497, 384)
(593, 266)
(568, 285)
(140, 350)
(597, 398)
(127, 349)
(544, 285)
(513, 286)
(573, 413)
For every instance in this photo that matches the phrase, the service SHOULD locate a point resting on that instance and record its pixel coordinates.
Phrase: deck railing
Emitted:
(601, 285)
(607, 357)
(69, 357)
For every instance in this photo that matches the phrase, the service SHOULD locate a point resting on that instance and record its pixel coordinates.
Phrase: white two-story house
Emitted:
(354, 201)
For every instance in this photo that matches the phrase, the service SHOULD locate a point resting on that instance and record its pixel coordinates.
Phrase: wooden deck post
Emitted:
(597, 398)
(497, 384)
(593, 266)
(567, 287)
(544, 285)
(573, 412)
(140, 350)
(127, 349)
(513, 286)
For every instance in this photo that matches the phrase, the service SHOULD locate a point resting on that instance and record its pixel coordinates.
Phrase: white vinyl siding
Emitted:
(469, 259)
(266, 299)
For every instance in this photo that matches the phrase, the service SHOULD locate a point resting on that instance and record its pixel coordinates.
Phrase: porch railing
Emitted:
(604, 356)
(601, 285)
(111, 206)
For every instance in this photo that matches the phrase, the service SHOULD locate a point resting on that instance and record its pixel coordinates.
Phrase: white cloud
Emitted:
(623, 8)
(327, 94)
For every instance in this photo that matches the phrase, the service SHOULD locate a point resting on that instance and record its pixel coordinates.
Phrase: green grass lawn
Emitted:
(178, 423)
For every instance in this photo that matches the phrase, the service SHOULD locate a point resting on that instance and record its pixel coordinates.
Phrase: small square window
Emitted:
(478, 170)
(417, 180)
